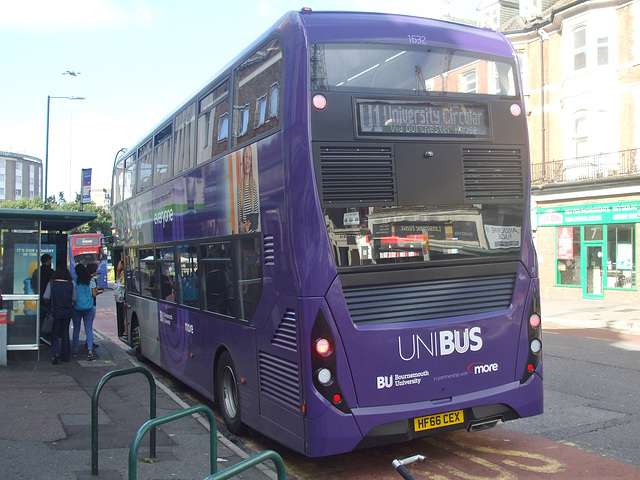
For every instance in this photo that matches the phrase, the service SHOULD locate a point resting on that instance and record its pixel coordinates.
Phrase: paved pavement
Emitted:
(619, 317)
(45, 409)
(45, 419)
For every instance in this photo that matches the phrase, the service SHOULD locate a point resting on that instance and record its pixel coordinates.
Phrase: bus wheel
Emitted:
(228, 398)
(135, 341)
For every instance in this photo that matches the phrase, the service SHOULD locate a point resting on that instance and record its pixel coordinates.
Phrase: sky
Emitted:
(134, 62)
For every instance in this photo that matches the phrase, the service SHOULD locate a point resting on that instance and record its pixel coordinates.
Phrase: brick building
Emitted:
(580, 62)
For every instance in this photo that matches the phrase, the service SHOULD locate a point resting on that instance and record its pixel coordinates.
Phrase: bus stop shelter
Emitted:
(25, 235)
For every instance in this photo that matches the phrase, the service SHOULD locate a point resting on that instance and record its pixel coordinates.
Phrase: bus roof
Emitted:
(337, 26)
(392, 28)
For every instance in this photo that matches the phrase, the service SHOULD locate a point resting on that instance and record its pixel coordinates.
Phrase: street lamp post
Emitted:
(46, 151)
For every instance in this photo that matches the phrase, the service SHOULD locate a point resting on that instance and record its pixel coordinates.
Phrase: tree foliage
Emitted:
(102, 223)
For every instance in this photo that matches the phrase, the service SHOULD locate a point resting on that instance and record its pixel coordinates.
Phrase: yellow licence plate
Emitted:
(439, 420)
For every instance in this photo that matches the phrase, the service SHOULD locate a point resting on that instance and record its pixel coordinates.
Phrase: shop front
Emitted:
(590, 248)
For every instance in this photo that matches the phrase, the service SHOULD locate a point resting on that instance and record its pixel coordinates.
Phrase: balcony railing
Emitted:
(613, 164)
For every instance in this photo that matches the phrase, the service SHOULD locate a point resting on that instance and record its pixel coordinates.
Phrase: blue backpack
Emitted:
(85, 297)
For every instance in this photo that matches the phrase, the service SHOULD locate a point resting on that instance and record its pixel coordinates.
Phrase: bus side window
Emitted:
(184, 139)
(147, 273)
(130, 177)
(256, 89)
(218, 278)
(145, 166)
(249, 261)
(132, 284)
(188, 291)
(211, 109)
(166, 268)
(162, 155)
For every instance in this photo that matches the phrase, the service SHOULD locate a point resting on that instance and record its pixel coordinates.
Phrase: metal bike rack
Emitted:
(151, 424)
(251, 462)
(94, 411)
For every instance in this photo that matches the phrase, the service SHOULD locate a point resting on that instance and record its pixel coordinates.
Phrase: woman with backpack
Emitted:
(61, 293)
(83, 310)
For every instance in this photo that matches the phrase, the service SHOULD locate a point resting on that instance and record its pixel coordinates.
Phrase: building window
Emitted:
(621, 254)
(568, 255)
(18, 181)
(469, 82)
(580, 49)
(603, 51)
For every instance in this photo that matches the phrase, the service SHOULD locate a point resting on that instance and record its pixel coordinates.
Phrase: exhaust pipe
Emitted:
(483, 424)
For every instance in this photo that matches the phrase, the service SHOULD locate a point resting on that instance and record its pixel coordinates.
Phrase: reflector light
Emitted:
(324, 376)
(530, 368)
(337, 398)
(323, 347)
(536, 346)
(534, 320)
(516, 110)
(319, 101)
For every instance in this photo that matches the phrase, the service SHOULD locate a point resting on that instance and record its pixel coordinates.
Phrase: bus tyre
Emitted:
(135, 342)
(228, 398)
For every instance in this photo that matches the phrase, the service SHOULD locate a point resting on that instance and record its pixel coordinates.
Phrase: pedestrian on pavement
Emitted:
(92, 268)
(118, 293)
(61, 294)
(46, 272)
(83, 310)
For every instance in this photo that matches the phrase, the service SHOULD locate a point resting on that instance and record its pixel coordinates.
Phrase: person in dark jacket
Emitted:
(46, 272)
(61, 293)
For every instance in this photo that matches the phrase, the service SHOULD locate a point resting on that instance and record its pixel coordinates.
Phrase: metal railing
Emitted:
(151, 424)
(591, 167)
(94, 411)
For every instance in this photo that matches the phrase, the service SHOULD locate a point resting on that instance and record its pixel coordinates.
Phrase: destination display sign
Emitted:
(450, 119)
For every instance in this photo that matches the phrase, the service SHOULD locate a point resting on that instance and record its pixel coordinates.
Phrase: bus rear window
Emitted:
(400, 69)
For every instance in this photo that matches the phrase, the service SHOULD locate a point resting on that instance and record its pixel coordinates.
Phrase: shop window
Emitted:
(568, 255)
(621, 254)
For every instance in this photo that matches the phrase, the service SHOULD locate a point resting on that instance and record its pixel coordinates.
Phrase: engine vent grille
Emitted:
(357, 175)
(279, 380)
(493, 174)
(285, 335)
(269, 250)
(429, 299)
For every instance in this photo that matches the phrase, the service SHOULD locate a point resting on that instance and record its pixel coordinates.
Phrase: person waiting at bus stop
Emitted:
(118, 292)
(46, 272)
(83, 310)
(61, 294)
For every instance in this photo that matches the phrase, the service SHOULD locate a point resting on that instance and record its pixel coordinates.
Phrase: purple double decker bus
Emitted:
(332, 238)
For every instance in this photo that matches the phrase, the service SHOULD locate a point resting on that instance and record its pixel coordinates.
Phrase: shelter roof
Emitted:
(56, 220)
